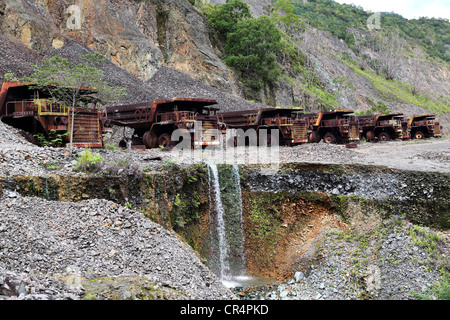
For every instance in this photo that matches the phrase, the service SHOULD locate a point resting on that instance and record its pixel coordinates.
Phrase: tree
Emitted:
(74, 84)
(251, 49)
(225, 17)
(284, 16)
(390, 53)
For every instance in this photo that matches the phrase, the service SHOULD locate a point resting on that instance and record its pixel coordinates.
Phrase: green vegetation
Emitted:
(10, 77)
(378, 108)
(251, 50)
(399, 91)
(264, 219)
(53, 139)
(437, 291)
(433, 34)
(260, 50)
(250, 44)
(225, 17)
(187, 204)
(429, 241)
(88, 161)
(74, 84)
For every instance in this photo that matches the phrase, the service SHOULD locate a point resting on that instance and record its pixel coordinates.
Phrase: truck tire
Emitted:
(329, 138)
(314, 137)
(164, 140)
(370, 136)
(384, 136)
(150, 139)
(418, 135)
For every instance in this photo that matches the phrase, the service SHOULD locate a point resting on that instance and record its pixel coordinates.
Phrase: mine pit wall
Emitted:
(284, 211)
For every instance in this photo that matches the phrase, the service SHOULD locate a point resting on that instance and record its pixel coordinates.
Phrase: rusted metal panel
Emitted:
(423, 126)
(87, 132)
(300, 131)
(333, 126)
(281, 118)
(381, 127)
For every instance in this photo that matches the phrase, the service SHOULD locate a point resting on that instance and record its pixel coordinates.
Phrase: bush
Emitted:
(224, 17)
(438, 291)
(88, 161)
(52, 140)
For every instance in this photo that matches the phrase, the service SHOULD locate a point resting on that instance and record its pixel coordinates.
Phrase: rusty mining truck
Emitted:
(423, 126)
(383, 127)
(155, 122)
(337, 126)
(292, 130)
(35, 112)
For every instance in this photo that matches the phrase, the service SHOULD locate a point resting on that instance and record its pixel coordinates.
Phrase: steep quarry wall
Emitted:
(144, 39)
(283, 214)
(137, 36)
(422, 196)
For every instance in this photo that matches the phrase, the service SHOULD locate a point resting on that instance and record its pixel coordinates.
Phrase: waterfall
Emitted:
(223, 245)
(237, 179)
(227, 258)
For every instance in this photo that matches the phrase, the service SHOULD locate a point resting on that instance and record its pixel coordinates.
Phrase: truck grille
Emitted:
(299, 132)
(354, 132)
(437, 130)
(208, 134)
(86, 130)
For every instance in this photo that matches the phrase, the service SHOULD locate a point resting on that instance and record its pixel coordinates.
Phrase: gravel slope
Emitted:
(40, 239)
(95, 239)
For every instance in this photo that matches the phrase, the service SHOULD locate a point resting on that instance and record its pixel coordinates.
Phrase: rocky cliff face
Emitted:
(148, 44)
(137, 36)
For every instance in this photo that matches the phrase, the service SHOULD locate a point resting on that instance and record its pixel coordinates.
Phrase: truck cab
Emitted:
(291, 128)
(423, 126)
(382, 127)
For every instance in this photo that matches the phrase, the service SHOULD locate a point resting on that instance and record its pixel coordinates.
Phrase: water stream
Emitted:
(227, 258)
(224, 265)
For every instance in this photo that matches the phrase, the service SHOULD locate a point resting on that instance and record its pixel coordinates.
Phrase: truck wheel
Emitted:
(329, 138)
(150, 139)
(419, 135)
(314, 137)
(370, 136)
(164, 140)
(384, 136)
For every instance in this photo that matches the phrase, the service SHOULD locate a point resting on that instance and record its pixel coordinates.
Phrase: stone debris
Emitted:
(43, 242)
(388, 267)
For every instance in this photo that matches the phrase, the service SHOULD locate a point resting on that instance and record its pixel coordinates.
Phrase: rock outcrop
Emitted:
(137, 36)
(144, 41)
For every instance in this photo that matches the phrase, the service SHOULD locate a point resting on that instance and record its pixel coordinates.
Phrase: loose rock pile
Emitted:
(386, 265)
(93, 239)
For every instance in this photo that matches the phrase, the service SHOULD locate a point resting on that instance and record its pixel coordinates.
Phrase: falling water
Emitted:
(227, 234)
(223, 246)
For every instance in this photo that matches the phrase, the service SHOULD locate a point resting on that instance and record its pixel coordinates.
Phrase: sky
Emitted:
(410, 9)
